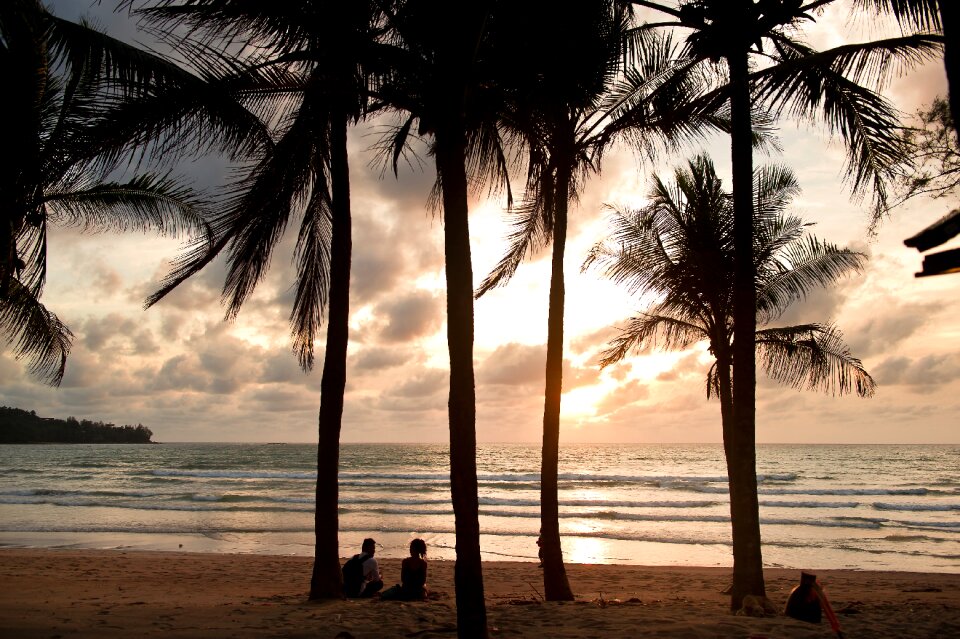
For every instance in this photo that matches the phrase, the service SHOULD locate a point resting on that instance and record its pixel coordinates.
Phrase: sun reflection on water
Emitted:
(585, 550)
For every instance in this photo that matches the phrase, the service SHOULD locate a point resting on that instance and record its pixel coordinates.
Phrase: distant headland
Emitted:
(18, 426)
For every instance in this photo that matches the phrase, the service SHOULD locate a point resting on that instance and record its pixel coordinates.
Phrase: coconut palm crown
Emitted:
(677, 253)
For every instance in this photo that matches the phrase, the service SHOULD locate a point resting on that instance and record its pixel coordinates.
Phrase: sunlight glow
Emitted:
(584, 550)
(582, 402)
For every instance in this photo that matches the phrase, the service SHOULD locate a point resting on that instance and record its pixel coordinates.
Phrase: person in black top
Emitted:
(413, 575)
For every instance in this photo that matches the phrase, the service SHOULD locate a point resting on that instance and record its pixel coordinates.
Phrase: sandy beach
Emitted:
(52, 593)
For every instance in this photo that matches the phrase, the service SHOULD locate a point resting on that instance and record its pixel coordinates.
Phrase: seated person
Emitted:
(361, 573)
(413, 575)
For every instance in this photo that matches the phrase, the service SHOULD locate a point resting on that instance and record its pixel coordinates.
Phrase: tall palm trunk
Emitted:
(741, 450)
(327, 581)
(468, 574)
(555, 584)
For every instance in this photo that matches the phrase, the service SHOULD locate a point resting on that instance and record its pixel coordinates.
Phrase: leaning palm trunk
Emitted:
(740, 450)
(468, 574)
(326, 581)
(555, 584)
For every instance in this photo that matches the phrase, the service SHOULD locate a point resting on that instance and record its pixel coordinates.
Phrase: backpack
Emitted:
(804, 601)
(353, 575)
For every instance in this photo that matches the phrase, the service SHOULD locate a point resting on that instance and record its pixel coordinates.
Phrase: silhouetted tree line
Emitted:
(18, 426)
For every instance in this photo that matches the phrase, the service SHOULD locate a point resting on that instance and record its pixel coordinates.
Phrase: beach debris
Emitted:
(756, 606)
(536, 591)
(523, 602)
(852, 608)
(603, 603)
(928, 589)
(449, 627)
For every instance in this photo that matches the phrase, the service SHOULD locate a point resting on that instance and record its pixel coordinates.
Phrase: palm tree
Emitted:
(61, 80)
(314, 77)
(678, 251)
(570, 105)
(443, 81)
(799, 81)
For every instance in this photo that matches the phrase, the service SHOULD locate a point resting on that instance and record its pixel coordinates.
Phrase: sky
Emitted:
(187, 374)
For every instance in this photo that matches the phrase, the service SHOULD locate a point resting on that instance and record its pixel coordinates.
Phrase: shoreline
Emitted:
(121, 593)
(393, 545)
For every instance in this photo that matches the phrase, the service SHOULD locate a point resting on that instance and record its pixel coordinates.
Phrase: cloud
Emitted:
(924, 375)
(426, 383)
(515, 365)
(690, 365)
(84, 370)
(891, 325)
(282, 367)
(119, 332)
(624, 395)
(594, 341)
(376, 358)
(413, 315)
(576, 377)
(821, 305)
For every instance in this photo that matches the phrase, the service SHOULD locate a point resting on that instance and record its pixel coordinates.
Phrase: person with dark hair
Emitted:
(361, 573)
(413, 575)
(540, 548)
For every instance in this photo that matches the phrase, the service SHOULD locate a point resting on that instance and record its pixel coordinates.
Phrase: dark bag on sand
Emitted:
(353, 575)
(804, 602)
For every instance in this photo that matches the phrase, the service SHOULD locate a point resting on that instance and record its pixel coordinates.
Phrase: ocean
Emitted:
(877, 507)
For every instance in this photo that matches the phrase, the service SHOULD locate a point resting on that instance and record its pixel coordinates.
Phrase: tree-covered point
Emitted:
(18, 426)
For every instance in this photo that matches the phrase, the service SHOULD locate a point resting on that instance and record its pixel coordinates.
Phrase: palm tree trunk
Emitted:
(556, 586)
(741, 451)
(468, 574)
(726, 400)
(327, 581)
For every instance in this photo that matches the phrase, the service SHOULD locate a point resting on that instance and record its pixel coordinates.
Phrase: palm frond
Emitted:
(127, 69)
(650, 332)
(812, 356)
(774, 187)
(146, 203)
(712, 384)
(812, 85)
(634, 254)
(198, 254)
(529, 235)
(35, 334)
(313, 269)
(913, 14)
(278, 187)
(31, 247)
(198, 117)
(809, 263)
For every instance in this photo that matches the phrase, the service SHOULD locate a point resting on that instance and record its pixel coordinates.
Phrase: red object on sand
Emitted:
(828, 610)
